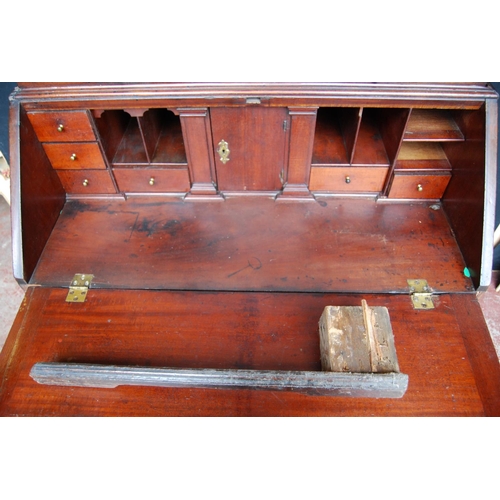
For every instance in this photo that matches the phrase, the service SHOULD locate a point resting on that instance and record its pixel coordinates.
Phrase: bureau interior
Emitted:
(391, 194)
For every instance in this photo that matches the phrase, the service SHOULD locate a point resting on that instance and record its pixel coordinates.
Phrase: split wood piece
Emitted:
(389, 385)
(357, 340)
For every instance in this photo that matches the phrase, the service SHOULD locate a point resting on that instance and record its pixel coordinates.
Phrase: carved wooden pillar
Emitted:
(197, 135)
(302, 128)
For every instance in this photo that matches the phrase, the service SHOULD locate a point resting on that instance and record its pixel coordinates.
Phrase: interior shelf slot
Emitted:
(153, 139)
(131, 149)
(432, 125)
(422, 156)
(170, 148)
(336, 132)
(370, 148)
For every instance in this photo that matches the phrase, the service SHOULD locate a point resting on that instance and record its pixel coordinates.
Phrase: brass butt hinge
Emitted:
(420, 294)
(79, 287)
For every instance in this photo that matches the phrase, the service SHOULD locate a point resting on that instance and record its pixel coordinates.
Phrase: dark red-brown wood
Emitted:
(256, 138)
(370, 148)
(451, 372)
(254, 244)
(111, 127)
(419, 185)
(259, 271)
(87, 181)
(464, 198)
(152, 180)
(150, 125)
(329, 144)
(170, 149)
(131, 150)
(145, 95)
(298, 156)
(65, 126)
(197, 137)
(37, 195)
(348, 179)
(75, 156)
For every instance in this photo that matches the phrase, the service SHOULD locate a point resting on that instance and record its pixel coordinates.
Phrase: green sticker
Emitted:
(466, 272)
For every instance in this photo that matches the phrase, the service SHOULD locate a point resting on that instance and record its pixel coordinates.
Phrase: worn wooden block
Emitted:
(357, 340)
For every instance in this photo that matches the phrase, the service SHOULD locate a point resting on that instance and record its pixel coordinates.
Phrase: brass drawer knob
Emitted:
(60, 127)
(152, 181)
(73, 157)
(420, 187)
(347, 179)
(85, 182)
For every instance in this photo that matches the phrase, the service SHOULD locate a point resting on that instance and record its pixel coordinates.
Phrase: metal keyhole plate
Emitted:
(223, 150)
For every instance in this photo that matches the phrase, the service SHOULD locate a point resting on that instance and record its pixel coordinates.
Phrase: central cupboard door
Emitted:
(249, 147)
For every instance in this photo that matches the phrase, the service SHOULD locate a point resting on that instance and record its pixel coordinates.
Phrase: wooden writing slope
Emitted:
(214, 223)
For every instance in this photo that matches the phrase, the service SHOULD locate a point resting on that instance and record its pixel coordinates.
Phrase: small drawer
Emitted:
(64, 126)
(75, 156)
(152, 180)
(87, 181)
(348, 179)
(419, 186)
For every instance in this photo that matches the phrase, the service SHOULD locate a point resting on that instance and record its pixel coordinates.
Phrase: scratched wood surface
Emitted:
(446, 352)
(253, 244)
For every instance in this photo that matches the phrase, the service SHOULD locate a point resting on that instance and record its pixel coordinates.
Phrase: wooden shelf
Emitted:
(422, 156)
(154, 139)
(432, 125)
(131, 149)
(329, 145)
(348, 137)
(369, 148)
(170, 148)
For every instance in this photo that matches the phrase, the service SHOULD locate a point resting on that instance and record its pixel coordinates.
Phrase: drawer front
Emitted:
(87, 181)
(64, 126)
(69, 156)
(419, 186)
(348, 179)
(152, 180)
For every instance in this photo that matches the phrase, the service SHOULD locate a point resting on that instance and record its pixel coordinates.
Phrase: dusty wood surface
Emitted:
(259, 245)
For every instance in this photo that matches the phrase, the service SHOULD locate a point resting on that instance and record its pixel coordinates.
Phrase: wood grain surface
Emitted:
(446, 353)
(119, 95)
(357, 339)
(240, 285)
(256, 138)
(253, 244)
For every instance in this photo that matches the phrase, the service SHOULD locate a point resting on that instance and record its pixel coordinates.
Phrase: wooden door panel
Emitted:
(256, 143)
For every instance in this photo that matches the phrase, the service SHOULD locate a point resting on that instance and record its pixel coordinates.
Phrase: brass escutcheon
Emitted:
(223, 151)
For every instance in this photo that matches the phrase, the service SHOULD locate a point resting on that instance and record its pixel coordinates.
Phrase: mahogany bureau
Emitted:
(203, 228)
